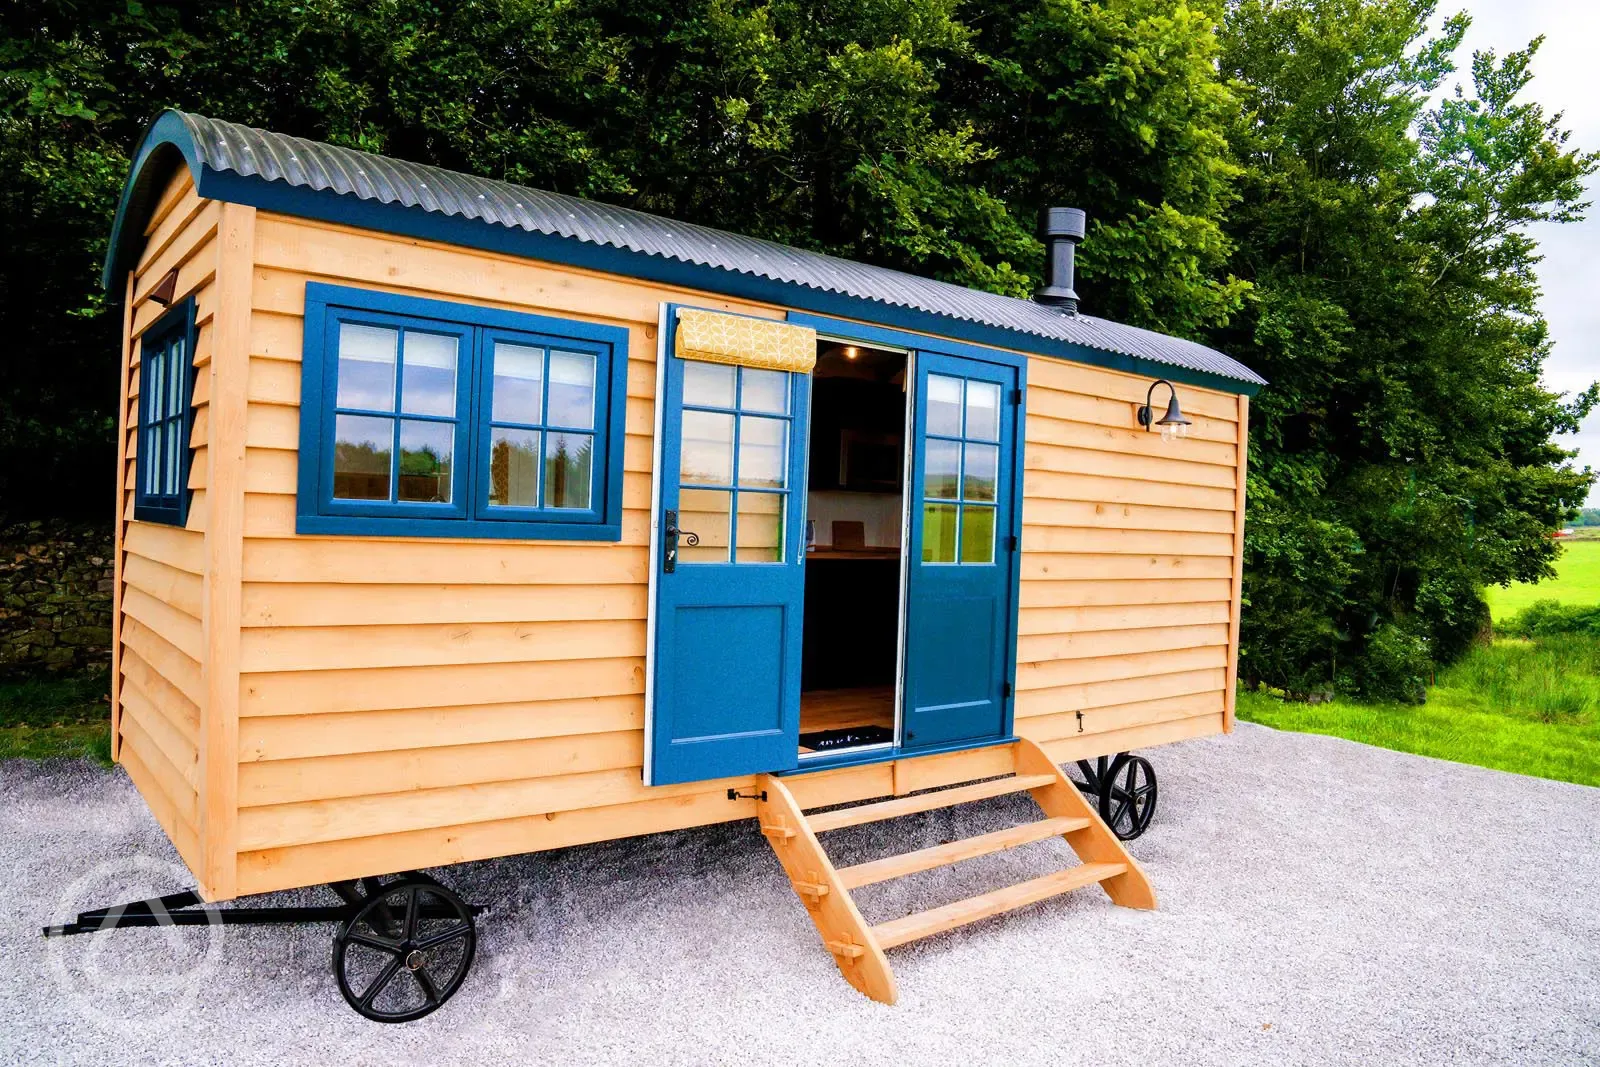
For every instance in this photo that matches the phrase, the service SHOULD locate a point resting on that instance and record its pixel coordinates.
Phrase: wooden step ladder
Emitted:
(858, 948)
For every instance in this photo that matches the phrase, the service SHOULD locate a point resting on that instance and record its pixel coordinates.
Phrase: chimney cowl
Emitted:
(1063, 228)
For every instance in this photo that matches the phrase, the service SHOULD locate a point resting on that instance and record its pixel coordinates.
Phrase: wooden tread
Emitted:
(937, 920)
(925, 859)
(939, 798)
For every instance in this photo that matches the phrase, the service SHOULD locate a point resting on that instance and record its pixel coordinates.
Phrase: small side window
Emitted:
(166, 417)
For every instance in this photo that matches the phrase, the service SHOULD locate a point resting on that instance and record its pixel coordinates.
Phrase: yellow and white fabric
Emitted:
(715, 337)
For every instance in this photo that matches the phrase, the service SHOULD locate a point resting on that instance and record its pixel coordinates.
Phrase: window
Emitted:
(962, 470)
(733, 468)
(166, 392)
(427, 418)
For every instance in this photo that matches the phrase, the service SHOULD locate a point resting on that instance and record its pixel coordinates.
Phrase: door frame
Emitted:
(883, 749)
(914, 344)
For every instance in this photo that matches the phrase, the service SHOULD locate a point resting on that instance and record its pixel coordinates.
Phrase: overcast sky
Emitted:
(1564, 80)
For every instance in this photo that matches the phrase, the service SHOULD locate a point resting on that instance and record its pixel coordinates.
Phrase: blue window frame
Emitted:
(430, 418)
(166, 418)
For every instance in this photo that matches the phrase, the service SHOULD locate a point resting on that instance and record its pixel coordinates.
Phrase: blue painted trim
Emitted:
(869, 334)
(330, 206)
(172, 511)
(165, 146)
(317, 513)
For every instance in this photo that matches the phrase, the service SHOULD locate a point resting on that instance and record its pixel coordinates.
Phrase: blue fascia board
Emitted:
(328, 206)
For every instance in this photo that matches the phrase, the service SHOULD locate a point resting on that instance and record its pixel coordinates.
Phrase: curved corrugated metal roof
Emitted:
(228, 148)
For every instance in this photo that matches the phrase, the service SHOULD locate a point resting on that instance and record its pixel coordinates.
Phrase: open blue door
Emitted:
(730, 584)
(962, 582)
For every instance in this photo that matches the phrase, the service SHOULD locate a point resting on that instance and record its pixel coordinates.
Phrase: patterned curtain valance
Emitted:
(713, 337)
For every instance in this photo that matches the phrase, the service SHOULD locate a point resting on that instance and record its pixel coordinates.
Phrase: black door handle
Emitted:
(669, 541)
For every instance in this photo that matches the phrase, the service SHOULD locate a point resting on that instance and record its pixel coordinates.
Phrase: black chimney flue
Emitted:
(1063, 229)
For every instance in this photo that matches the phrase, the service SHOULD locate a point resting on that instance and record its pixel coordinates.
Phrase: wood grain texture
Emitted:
(228, 375)
(118, 523)
(1232, 693)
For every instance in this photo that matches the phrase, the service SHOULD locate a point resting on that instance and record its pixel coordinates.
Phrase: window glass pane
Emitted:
(568, 461)
(152, 459)
(707, 448)
(366, 367)
(175, 450)
(427, 450)
(943, 469)
(761, 527)
(983, 411)
(707, 384)
(944, 405)
(977, 534)
(518, 383)
(362, 447)
(175, 376)
(514, 468)
(572, 389)
(154, 390)
(428, 383)
(981, 472)
(765, 390)
(705, 513)
(938, 533)
(763, 451)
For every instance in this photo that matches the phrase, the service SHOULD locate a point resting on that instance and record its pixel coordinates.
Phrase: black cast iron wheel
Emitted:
(1128, 796)
(405, 951)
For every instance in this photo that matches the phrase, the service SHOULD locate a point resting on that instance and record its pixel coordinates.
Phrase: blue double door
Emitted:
(729, 582)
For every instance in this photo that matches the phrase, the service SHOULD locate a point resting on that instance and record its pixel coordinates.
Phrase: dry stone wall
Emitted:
(55, 597)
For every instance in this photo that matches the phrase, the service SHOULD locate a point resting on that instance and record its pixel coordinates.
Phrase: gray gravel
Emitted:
(1322, 902)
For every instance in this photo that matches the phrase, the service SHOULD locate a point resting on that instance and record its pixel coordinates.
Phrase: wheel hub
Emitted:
(415, 960)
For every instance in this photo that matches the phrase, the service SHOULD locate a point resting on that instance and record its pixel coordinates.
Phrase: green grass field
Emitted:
(1577, 581)
(67, 716)
(1532, 707)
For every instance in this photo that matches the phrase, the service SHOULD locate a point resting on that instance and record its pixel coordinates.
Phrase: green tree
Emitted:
(1402, 455)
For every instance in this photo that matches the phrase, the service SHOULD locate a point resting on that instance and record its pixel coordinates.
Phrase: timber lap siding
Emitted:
(302, 708)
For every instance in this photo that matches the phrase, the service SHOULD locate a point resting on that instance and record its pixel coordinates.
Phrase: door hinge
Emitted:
(1011, 542)
(1005, 690)
(1016, 398)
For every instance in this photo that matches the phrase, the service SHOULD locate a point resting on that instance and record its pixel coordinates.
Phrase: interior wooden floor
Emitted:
(844, 709)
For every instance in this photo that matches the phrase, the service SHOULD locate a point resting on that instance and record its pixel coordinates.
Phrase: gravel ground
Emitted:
(1321, 902)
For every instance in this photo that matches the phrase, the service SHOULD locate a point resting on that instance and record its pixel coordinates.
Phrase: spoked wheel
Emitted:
(405, 951)
(1128, 796)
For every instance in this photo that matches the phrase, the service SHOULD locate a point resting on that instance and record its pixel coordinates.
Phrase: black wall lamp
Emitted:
(1173, 424)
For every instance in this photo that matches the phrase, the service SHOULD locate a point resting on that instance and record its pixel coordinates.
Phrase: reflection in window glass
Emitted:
(765, 390)
(572, 390)
(944, 405)
(943, 469)
(707, 448)
(760, 528)
(763, 457)
(518, 383)
(707, 513)
(427, 450)
(514, 468)
(362, 448)
(981, 472)
(708, 384)
(983, 411)
(366, 367)
(568, 460)
(977, 534)
(938, 533)
(428, 377)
